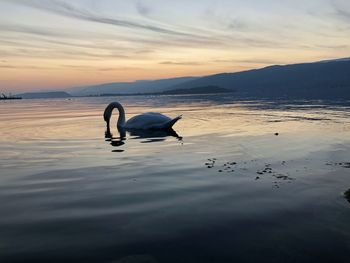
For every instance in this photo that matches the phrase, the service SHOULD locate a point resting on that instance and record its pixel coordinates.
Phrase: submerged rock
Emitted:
(346, 165)
(341, 164)
(347, 195)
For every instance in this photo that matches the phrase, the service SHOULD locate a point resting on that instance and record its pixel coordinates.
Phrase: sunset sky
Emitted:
(53, 44)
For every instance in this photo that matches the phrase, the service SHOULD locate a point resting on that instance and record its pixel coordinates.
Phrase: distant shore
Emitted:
(10, 97)
(191, 91)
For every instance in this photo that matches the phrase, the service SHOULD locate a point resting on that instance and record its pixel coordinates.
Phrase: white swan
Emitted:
(145, 121)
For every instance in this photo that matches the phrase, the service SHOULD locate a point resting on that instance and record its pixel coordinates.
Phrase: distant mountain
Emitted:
(328, 79)
(143, 86)
(334, 60)
(196, 90)
(44, 95)
(325, 79)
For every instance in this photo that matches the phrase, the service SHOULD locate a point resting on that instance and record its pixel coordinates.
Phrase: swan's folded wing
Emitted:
(169, 124)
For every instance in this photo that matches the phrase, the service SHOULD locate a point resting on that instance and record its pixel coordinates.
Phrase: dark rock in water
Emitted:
(277, 134)
(283, 177)
(346, 165)
(347, 195)
(342, 164)
(210, 163)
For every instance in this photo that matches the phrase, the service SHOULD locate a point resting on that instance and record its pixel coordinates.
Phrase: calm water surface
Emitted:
(226, 189)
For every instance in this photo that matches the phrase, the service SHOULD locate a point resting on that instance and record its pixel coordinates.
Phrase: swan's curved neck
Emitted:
(108, 113)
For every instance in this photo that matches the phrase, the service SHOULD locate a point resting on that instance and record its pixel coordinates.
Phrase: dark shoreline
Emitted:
(10, 98)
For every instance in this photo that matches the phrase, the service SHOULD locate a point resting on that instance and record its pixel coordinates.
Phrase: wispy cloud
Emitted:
(40, 31)
(44, 43)
(94, 68)
(10, 66)
(176, 36)
(248, 61)
(332, 47)
(180, 63)
(70, 11)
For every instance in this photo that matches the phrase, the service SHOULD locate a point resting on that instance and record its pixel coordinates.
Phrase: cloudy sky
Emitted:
(51, 44)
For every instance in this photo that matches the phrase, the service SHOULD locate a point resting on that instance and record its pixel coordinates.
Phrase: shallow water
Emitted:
(226, 189)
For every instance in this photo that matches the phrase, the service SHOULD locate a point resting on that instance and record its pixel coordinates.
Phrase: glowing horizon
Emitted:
(59, 44)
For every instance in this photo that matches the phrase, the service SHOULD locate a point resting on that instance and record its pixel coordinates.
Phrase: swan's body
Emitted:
(145, 121)
(149, 120)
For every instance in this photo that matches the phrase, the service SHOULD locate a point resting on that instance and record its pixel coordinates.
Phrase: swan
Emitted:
(145, 121)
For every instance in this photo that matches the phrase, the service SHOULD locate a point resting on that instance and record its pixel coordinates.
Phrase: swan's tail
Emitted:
(170, 124)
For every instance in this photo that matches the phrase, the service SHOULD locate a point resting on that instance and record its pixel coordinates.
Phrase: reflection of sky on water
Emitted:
(38, 134)
(230, 186)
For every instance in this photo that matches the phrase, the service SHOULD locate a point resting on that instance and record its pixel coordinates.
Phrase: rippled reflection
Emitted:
(146, 136)
(231, 191)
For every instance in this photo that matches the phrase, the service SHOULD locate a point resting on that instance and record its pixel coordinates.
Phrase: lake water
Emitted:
(227, 188)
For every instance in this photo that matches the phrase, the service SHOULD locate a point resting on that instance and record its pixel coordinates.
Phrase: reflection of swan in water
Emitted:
(145, 121)
(154, 135)
(149, 135)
